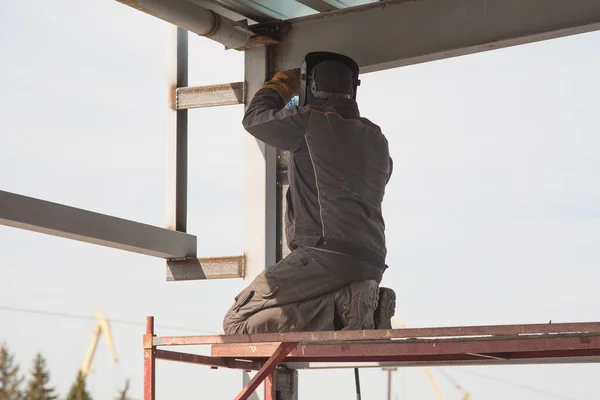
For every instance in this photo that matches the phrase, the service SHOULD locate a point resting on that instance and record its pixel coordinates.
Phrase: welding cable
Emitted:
(357, 381)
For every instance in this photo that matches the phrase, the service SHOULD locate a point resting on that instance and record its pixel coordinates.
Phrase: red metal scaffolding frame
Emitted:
(469, 345)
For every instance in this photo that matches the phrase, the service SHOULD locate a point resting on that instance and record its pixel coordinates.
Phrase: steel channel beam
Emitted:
(205, 268)
(443, 363)
(177, 132)
(386, 334)
(73, 223)
(228, 11)
(318, 5)
(395, 33)
(488, 350)
(209, 96)
(250, 12)
(260, 231)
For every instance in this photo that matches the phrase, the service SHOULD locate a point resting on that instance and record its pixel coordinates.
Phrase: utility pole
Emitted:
(389, 371)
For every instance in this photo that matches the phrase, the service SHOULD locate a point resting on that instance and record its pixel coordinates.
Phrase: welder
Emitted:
(338, 171)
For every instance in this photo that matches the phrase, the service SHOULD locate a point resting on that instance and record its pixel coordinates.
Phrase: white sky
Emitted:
(493, 213)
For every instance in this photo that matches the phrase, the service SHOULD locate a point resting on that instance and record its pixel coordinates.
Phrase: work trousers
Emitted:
(294, 295)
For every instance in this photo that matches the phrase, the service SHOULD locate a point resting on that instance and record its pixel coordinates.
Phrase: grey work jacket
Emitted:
(339, 168)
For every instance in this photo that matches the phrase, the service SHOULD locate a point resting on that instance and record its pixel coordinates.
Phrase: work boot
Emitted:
(385, 309)
(355, 305)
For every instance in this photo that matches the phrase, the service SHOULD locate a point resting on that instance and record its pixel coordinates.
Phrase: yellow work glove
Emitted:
(286, 83)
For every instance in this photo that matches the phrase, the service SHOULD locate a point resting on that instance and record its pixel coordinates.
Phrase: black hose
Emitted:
(357, 380)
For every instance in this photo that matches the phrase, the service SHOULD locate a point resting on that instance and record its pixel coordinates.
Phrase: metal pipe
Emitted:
(195, 19)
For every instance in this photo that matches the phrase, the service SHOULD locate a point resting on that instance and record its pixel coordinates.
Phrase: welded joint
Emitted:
(148, 341)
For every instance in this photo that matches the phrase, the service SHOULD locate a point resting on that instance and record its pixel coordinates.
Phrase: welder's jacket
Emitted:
(339, 168)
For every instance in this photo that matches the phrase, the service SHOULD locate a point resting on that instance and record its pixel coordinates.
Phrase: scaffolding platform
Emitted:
(468, 345)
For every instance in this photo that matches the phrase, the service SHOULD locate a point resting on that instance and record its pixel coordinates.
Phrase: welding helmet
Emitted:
(325, 76)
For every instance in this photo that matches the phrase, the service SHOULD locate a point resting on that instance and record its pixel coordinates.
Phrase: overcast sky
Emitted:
(493, 212)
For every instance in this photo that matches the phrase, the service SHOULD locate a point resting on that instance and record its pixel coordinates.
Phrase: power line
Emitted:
(451, 379)
(518, 385)
(92, 318)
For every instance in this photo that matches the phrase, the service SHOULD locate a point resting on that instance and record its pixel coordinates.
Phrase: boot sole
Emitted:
(386, 309)
(365, 297)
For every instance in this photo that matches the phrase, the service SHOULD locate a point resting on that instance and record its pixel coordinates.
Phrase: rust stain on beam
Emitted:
(205, 268)
(209, 96)
(386, 334)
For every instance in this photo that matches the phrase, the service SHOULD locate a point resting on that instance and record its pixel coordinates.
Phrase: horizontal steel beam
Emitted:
(205, 268)
(501, 350)
(204, 360)
(394, 33)
(318, 5)
(386, 334)
(73, 223)
(443, 363)
(209, 96)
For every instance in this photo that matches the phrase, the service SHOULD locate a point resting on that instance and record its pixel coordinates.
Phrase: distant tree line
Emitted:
(36, 384)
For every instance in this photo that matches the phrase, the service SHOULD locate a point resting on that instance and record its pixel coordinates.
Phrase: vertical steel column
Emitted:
(271, 386)
(177, 132)
(273, 205)
(259, 185)
(259, 179)
(149, 361)
(286, 384)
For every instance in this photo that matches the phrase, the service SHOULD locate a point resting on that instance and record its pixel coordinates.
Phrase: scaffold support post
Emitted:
(278, 356)
(149, 361)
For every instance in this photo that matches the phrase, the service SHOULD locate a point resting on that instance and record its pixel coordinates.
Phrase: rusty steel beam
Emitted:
(149, 361)
(442, 363)
(279, 353)
(209, 96)
(209, 361)
(395, 33)
(271, 386)
(205, 268)
(385, 334)
(480, 350)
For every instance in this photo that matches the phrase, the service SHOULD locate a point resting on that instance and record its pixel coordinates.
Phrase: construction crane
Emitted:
(429, 375)
(102, 326)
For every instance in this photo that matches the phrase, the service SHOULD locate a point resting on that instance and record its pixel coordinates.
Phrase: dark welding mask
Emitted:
(327, 76)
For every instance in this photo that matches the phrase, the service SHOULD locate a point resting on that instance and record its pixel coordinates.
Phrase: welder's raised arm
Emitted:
(267, 120)
(266, 117)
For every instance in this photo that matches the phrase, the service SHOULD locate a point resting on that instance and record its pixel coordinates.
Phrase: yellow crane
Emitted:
(430, 377)
(101, 327)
